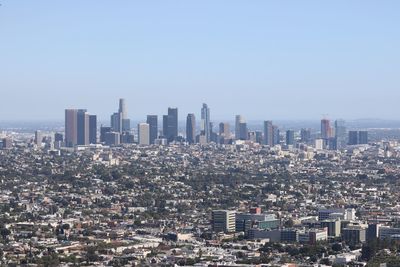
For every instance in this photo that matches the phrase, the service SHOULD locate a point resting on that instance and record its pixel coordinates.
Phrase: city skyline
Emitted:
(261, 60)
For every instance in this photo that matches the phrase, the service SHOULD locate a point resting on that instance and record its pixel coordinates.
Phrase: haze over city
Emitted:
(263, 59)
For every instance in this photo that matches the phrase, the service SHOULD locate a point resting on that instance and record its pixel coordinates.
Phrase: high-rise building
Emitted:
(125, 122)
(38, 138)
(363, 137)
(290, 137)
(238, 120)
(7, 143)
(103, 131)
(340, 134)
(119, 120)
(58, 137)
(259, 137)
(353, 138)
(127, 138)
(152, 120)
(112, 138)
(223, 221)
(243, 131)
(77, 127)
(83, 127)
(224, 132)
(268, 133)
(144, 134)
(305, 135)
(71, 127)
(190, 128)
(326, 131)
(92, 129)
(116, 122)
(205, 122)
(170, 124)
(277, 136)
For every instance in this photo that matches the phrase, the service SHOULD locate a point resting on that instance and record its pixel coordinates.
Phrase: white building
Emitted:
(144, 134)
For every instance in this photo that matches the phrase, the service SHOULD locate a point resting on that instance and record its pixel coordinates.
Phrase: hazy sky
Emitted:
(263, 59)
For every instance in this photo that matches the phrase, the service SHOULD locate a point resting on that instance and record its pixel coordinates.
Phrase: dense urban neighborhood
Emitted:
(234, 204)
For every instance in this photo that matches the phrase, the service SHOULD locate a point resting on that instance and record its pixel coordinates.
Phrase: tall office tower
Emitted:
(71, 127)
(165, 126)
(239, 119)
(353, 138)
(83, 127)
(224, 132)
(243, 131)
(112, 138)
(223, 221)
(38, 138)
(268, 133)
(126, 123)
(363, 137)
(259, 137)
(205, 122)
(340, 134)
(116, 122)
(277, 137)
(103, 131)
(190, 128)
(213, 135)
(326, 131)
(77, 129)
(58, 137)
(92, 129)
(144, 134)
(127, 138)
(170, 124)
(290, 137)
(305, 135)
(152, 120)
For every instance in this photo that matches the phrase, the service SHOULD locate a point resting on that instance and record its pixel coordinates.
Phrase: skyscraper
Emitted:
(363, 137)
(116, 122)
(170, 124)
(119, 120)
(243, 131)
(144, 134)
(289, 137)
(238, 120)
(326, 131)
(125, 122)
(268, 133)
(152, 120)
(103, 131)
(353, 138)
(38, 138)
(83, 127)
(190, 128)
(77, 127)
(205, 122)
(305, 135)
(71, 125)
(340, 134)
(92, 129)
(277, 138)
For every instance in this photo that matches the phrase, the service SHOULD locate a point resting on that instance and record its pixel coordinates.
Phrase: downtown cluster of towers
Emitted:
(81, 129)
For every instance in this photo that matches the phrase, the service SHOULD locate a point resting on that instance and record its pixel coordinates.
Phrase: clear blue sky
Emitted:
(263, 59)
